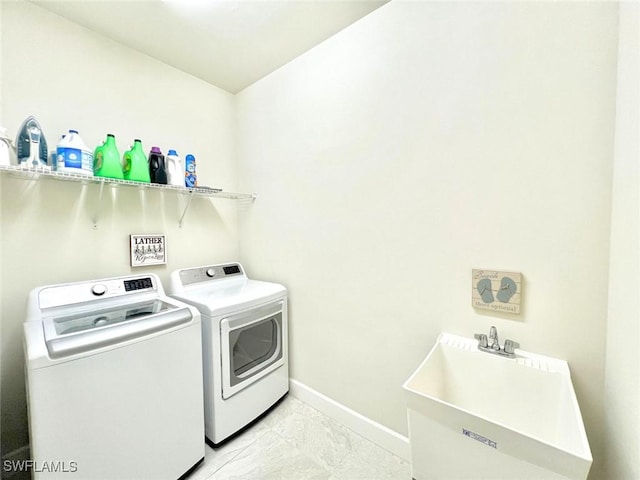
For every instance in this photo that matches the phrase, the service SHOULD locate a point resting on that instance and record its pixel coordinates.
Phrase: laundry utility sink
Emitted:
(475, 415)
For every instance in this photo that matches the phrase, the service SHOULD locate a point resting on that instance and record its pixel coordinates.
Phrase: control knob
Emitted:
(211, 272)
(99, 289)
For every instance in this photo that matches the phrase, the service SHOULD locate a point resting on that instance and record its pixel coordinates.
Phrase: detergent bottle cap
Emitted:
(156, 150)
(172, 152)
(73, 131)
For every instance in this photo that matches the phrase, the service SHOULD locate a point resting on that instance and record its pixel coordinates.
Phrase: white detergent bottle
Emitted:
(73, 156)
(175, 172)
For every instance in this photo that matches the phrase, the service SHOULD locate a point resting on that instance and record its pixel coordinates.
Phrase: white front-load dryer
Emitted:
(245, 351)
(114, 380)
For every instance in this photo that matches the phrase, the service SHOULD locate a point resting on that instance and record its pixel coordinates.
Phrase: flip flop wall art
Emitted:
(496, 290)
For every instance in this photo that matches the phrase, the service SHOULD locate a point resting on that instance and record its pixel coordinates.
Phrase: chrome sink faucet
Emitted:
(483, 344)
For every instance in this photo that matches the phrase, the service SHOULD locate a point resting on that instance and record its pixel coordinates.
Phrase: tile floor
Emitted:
(297, 442)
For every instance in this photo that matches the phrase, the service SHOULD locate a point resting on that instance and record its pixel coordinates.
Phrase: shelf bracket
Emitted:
(95, 216)
(186, 207)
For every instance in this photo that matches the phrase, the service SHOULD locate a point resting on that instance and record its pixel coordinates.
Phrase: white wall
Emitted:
(69, 77)
(423, 141)
(622, 386)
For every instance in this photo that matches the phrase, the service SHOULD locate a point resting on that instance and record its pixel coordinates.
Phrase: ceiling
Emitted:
(228, 43)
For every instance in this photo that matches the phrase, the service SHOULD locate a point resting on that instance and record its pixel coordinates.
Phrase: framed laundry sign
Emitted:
(496, 290)
(148, 250)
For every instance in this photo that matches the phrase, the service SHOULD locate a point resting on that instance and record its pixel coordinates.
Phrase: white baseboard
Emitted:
(373, 431)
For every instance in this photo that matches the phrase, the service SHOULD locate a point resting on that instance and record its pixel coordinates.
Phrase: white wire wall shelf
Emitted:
(41, 173)
(45, 173)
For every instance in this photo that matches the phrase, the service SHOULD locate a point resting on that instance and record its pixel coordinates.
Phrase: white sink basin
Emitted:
(473, 414)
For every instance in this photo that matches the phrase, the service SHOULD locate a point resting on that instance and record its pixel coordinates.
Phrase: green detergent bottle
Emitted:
(106, 159)
(135, 165)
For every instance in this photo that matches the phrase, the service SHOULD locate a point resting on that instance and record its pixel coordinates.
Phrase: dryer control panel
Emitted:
(190, 276)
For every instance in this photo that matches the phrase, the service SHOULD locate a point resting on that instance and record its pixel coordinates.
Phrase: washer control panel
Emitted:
(142, 283)
(60, 295)
(190, 276)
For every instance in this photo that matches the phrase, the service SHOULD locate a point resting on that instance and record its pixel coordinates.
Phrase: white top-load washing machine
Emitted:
(245, 352)
(114, 381)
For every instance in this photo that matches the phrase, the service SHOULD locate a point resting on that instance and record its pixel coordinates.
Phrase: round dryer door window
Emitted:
(251, 347)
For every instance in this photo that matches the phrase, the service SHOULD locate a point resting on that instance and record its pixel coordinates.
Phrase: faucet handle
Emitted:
(482, 340)
(510, 346)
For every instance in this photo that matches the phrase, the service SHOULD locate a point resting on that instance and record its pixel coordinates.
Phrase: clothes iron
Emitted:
(31, 146)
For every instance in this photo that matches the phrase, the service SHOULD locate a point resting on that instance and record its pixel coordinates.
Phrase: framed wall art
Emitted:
(148, 250)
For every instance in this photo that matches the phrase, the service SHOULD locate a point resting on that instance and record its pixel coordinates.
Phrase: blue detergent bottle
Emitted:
(190, 176)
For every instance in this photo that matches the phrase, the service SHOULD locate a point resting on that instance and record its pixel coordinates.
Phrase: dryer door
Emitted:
(251, 346)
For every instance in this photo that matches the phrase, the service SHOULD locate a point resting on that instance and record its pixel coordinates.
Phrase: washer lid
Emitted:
(81, 331)
(107, 317)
